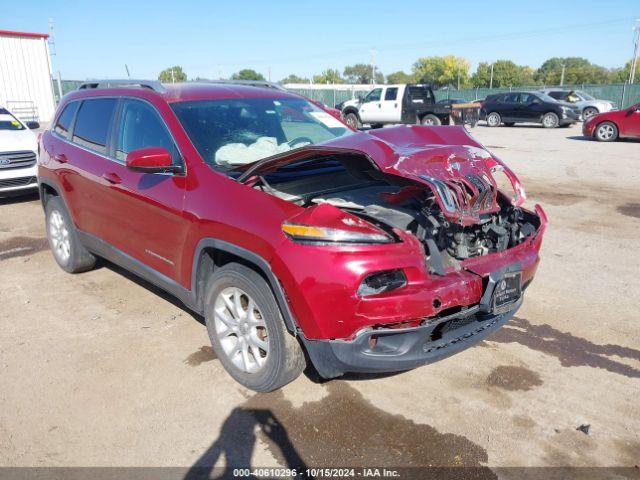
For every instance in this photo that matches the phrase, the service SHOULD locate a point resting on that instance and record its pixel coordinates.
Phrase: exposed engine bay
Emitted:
(352, 184)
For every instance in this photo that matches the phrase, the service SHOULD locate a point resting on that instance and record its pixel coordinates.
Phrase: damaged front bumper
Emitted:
(398, 349)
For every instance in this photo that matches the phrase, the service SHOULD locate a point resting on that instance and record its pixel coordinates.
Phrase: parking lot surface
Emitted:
(102, 369)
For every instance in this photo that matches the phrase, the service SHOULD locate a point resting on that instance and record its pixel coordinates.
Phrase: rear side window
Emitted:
(92, 123)
(391, 93)
(141, 127)
(511, 98)
(64, 120)
(557, 95)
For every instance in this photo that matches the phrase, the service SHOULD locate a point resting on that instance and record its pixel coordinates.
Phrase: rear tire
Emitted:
(352, 120)
(606, 132)
(494, 119)
(430, 120)
(64, 242)
(550, 120)
(247, 330)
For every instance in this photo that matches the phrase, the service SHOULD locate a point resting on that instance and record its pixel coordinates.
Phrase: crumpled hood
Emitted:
(459, 170)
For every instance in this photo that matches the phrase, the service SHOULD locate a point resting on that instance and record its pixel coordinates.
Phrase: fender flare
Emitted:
(349, 110)
(42, 181)
(259, 262)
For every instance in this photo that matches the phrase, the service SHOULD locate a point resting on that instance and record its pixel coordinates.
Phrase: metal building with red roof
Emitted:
(25, 75)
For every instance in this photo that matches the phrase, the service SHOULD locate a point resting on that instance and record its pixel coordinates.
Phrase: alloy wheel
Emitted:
(59, 233)
(549, 121)
(606, 132)
(241, 329)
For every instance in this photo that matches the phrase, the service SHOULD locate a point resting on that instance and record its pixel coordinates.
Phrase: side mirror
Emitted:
(151, 160)
(33, 125)
(633, 108)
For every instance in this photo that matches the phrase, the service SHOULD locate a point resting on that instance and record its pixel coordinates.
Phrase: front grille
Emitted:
(450, 325)
(22, 159)
(17, 182)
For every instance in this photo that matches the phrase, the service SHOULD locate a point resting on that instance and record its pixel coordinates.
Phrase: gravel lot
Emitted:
(102, 369)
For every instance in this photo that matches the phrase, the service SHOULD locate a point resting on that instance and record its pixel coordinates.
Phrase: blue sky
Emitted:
(214, 38)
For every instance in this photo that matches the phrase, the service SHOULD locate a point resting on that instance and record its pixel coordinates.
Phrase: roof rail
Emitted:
(150, 84)
(249, 83)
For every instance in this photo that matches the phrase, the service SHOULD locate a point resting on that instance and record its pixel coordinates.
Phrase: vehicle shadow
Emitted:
(590, 139)
(10, 199)
(580, 137)
(151, 287)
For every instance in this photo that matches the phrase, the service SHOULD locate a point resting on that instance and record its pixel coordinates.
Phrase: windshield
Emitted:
(585, 96)
(8, 121)
(231, 132)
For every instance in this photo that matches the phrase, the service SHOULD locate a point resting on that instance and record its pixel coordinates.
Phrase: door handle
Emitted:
(379, 105)
(60, 158)
(112, 178)
(395, 105)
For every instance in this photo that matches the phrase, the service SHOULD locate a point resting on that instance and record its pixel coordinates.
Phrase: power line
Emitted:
(404, 46)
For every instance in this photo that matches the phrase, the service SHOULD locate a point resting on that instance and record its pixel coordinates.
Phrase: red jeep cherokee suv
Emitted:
(288, 231)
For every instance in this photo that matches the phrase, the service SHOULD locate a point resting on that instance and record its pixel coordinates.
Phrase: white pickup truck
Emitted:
(411, 103)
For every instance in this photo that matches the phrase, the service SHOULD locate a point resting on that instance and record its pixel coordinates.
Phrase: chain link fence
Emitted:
(622, 94)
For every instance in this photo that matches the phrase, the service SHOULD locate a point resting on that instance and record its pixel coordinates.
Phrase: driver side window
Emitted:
(373, 96)
(141, 127)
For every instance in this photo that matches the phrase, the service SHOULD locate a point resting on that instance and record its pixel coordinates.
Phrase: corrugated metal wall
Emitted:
(25, 77)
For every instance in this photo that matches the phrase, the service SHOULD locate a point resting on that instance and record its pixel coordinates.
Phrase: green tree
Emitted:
(621, 75)
(576, 70)
(294, 79)
(360, 73)
(247, 74)
(505, 74)
(442, 71)
(328, 76)
(172, 75)
(399, 77)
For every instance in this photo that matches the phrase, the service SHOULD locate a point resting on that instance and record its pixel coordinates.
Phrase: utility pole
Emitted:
(269, 74)
(173, 77)
(127, 69)
(562, 75)
(52, 38)
(373, 66)
(636, 52)
(491, 78)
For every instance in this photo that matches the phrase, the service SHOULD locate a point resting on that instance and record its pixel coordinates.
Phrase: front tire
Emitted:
(431, 120)
(550, 120)
(64, 242)
(493, 119)
(247, 330)
(589, 112)
(606, 132)
(352, 120)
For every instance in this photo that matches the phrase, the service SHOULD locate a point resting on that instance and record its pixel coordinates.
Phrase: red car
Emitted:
(609, 126)
(372, 252)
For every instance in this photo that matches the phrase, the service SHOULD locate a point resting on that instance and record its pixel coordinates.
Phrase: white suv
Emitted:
(18, 147)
